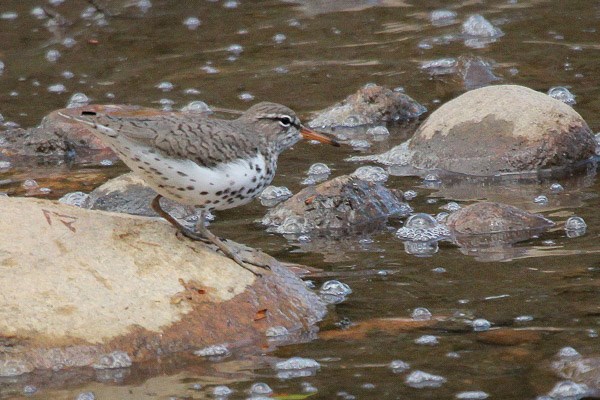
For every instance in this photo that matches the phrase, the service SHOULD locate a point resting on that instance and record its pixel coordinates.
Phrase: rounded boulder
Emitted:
(501, 129)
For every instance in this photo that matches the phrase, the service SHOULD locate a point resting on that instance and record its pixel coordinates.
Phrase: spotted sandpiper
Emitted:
(209, 163)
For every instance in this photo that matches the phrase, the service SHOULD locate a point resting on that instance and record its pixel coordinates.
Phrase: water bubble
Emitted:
(222, 391)
(399, 366)
(371, 174)
(86, 396)
(236, 49)
(439, 270)
(246, 96)
(477, 25)
(419, 380)
(116, 359)
(281, 70)
(472, 395)
(556, 188)
(209, 69)
(319, 169)
(38, 13)
(197, 106)
(451, 206)
(167, 104)
(279, 38)
(453, 354)
(29, 389)
(165, 86)
(260, 388)
(569, 390)
(409, 195)
(192, 23)
(421, 314)
(144, 5)
(563, 94)
(442, 17)
(296, 367)
(541, 199)
(78, 100)
(77, 199)
(441, 66)
(273, 195)
(57, 88)
(378, 131)
(308, 388)
(481, 325)
(217, 350)
(575, 226)
(67, 74)
(231, 4)
(358, 144)
(523, 318)
(293, 225)
(427, 340)
(432, 181)
(5, 165)
(9, 15)
(335, 288)
(368, 386)
(568, 352)
(275, 331)
(53, 55)
(422, 227)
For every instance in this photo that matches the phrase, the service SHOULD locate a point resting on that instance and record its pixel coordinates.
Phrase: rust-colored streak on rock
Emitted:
(389, 326)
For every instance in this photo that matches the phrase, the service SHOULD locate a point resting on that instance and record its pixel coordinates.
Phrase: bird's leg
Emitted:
(186, 232)
(202, 234)
(203, 230)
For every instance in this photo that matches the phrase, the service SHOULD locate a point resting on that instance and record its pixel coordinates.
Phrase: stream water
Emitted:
(308, 55)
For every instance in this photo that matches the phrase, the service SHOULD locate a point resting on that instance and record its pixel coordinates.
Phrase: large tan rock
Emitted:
(501, 129)
(77, 284)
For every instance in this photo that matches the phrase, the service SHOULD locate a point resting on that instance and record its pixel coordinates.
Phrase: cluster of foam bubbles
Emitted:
(477, 25)
(77, 199)
(427, 340)
(296, 367)
(399, 366)
(371, 174)
(472, 395)
(273, 195)
(422, 227)
(567, 390)
(442, 17)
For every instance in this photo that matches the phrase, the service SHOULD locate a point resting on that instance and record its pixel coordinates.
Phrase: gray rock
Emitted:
(342, 205)
(370, 105)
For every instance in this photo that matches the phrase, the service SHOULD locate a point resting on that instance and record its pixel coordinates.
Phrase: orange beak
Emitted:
(309, 134)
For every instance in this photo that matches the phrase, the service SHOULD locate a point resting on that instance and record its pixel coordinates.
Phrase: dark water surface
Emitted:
(331, 49)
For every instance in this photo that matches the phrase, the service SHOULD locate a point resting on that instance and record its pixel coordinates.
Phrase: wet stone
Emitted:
(114, 360)
(371, 105)
(478, 133)
(569, 390)
(336, 207)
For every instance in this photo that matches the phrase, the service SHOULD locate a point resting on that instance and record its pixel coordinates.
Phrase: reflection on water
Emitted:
(310, 55)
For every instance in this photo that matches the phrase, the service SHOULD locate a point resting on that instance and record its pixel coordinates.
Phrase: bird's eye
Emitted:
(285, 121)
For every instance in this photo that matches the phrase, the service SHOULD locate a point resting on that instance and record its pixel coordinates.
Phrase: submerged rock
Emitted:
(108, 288)
(370, 105)
(55, 139)
(486, 218)
(342, 205)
